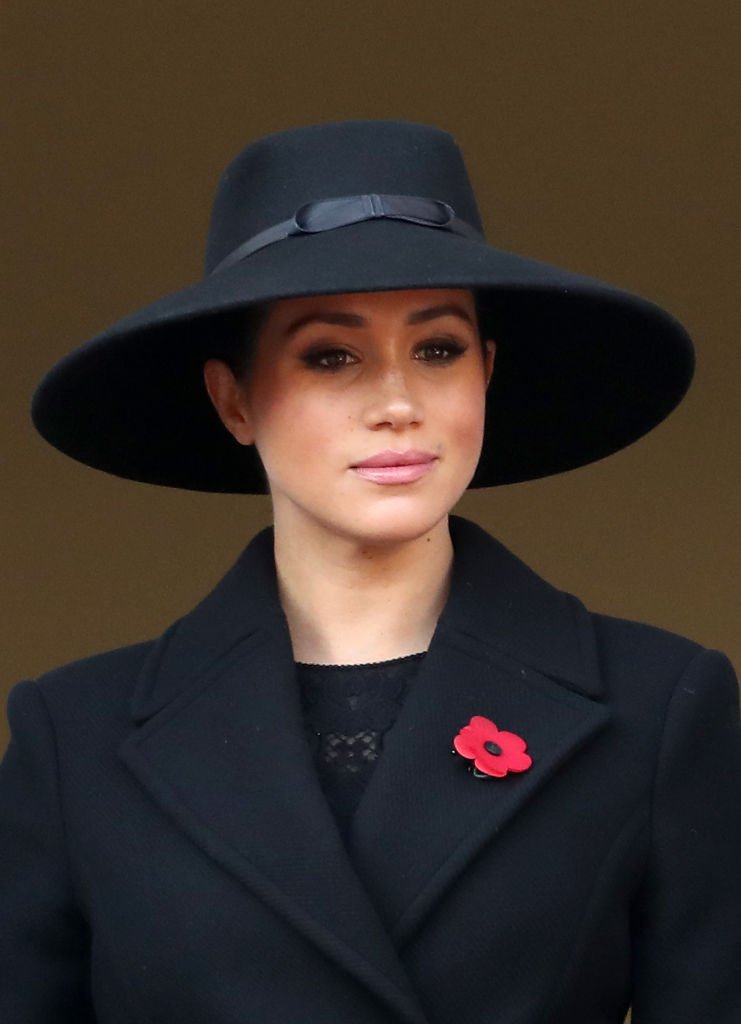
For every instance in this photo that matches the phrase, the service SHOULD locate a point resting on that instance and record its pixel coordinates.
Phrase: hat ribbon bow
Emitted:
(327, 214)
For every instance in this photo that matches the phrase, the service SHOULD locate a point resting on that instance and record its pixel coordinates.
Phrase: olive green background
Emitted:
(602, 136)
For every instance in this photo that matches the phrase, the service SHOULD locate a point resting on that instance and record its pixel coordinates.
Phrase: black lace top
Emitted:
(348, 709)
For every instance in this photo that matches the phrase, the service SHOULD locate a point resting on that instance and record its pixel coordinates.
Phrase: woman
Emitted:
(257, 817)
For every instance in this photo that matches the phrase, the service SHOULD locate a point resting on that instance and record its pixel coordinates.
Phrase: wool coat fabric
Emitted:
(167, 855)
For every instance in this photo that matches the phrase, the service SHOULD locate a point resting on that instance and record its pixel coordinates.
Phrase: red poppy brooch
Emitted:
(492, 751)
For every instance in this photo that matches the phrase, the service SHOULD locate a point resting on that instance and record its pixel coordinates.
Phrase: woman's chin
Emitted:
(376, 519)
(397, 523)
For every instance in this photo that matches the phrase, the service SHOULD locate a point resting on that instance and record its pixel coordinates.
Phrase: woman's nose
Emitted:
(391, 401)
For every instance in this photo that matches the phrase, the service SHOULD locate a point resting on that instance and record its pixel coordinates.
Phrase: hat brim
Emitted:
(582, 369)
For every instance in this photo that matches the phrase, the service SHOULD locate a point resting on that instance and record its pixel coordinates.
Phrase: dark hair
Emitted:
(237, 346)
(483, 318)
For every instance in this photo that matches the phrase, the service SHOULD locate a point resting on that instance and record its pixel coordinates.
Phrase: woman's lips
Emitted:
(395, 467)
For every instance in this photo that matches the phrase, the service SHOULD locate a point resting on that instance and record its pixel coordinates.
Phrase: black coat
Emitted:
(167, 855)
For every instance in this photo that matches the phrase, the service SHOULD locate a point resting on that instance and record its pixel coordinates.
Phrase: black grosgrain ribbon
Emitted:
(326, 214)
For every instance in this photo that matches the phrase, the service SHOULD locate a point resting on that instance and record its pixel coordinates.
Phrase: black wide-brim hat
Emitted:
(582, 369)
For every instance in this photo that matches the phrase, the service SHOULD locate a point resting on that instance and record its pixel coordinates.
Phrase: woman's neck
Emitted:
(347, 602)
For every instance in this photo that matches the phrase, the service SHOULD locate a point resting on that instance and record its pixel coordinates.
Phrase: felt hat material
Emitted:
(582, 370)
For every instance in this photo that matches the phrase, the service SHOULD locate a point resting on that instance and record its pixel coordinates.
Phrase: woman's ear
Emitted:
(229, 400)
(489, 354)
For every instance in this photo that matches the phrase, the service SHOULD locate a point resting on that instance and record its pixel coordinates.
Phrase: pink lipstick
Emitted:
(390, 467)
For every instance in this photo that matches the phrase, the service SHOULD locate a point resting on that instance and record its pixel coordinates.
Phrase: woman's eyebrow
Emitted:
(355, 320)
(449, 309)
(343, 319)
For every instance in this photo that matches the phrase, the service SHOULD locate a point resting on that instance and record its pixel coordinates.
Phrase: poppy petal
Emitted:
(512, 741)
(487, 767)
(520, 762)
(485, 725)
(466, 745)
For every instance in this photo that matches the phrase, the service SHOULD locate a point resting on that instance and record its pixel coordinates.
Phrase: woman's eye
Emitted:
(442, 350)
(329, 358)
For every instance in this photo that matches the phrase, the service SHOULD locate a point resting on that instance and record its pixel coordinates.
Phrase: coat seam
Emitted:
(633, 821)
(660, 751)
(72, 875)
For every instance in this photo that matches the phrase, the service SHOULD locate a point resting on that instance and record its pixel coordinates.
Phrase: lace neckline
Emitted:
(366, 665)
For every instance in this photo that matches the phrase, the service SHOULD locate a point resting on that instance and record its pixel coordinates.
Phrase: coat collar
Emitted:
(221, 747)
(498, 601)
(495, 600)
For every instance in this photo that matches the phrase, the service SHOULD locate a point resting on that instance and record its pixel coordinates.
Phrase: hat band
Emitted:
(327, 214)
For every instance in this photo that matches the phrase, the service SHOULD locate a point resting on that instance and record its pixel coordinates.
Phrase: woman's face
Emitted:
(367, 409)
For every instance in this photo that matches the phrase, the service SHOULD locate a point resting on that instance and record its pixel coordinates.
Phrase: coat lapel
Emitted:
(221, 747)
(509, 647)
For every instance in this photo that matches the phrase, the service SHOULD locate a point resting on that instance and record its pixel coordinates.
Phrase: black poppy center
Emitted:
(492, 748)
